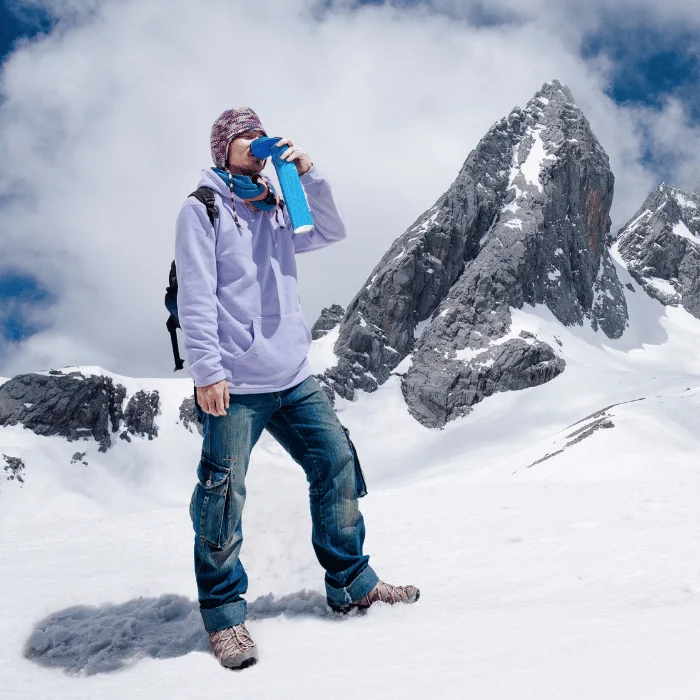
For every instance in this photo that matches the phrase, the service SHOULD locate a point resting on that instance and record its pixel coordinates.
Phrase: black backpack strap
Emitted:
(205, 195)
(172, 324)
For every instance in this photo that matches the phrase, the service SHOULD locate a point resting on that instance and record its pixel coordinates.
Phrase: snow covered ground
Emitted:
(573, 577)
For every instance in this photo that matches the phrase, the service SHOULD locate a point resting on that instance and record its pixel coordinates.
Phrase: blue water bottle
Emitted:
(288, 176)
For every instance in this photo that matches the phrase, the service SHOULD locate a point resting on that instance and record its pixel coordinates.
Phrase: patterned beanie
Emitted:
(232, 123)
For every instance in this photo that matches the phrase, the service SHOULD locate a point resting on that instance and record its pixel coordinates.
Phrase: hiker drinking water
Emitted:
(246, 343)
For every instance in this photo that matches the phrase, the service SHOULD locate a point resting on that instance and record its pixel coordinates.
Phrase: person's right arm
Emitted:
(195, 262)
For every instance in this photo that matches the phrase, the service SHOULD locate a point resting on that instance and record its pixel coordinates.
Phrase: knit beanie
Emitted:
(232, 123)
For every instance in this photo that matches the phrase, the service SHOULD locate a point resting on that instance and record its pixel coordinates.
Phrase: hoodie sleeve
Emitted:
(329, 222)
(195, 262)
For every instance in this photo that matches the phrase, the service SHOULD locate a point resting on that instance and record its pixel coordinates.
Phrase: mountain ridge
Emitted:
(660, 245)
(446, 284)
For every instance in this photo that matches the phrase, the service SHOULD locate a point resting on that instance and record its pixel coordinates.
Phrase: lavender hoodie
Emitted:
(238, 300)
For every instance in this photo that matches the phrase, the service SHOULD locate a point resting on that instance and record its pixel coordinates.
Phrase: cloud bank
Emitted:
(104, 127)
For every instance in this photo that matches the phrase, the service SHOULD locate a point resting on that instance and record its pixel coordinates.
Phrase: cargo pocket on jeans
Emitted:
(359, 474)
(211, 503)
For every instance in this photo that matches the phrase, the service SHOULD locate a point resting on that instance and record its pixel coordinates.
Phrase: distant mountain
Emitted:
(526, 221)
(660, 245)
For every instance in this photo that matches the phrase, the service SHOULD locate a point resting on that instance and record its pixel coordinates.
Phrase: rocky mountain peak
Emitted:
(660, 245)
(552, 91)
(525, 221)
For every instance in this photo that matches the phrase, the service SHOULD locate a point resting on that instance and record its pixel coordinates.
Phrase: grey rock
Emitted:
(547, 456)
(526, 221)
(140, 413)
(512, 365)
(603, 412)
(188, 415)
(328, 387)
(14, 469)
(588, 430)
(577, 436)
(599, 420)
(70, 405)
(660, 245)
(330, 317)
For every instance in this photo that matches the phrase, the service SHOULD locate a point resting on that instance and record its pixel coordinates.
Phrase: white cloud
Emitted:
(105, 127)
(670, 132)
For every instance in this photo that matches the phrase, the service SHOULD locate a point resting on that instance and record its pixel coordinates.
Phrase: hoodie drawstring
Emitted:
(233, 206)
(235, 214)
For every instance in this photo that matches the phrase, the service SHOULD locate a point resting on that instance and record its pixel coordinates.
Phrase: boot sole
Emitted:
(248, 661)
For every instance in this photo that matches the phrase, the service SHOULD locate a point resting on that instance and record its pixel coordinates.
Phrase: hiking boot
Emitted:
(382, 593)
(234, 647)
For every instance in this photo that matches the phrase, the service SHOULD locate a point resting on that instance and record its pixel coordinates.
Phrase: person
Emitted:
(246, 343)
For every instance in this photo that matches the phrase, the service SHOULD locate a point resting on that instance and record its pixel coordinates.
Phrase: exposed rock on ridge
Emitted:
(525, 222)
(76, 407)
(660, 245)
(330, 317)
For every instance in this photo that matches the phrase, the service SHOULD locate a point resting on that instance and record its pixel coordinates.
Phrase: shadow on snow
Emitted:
(87, 639)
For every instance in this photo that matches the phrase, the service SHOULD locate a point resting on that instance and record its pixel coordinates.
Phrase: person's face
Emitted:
(241, 160)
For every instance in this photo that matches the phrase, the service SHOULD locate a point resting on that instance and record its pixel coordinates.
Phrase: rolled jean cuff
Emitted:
(360, 587)
(224, 616)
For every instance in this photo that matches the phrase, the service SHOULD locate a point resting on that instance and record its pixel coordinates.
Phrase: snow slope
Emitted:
(573, 577)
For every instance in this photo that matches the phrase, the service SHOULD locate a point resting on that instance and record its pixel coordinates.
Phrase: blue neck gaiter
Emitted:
(244, 187)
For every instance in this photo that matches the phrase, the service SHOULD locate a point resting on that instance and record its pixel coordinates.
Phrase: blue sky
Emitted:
(18, 290)
(650, 60)
(17, 22)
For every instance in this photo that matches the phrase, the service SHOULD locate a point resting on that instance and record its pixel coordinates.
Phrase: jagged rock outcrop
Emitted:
(525, 222)
(660, 245)
(140, 413)
(13, 469)
(330, 317)
(188, 415)
(77, 407)
(70, 405)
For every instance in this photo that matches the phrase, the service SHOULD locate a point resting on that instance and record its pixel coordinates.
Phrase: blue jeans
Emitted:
(303, 421)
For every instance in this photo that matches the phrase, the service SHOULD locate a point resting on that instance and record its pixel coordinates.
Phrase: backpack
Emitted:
(206, 196)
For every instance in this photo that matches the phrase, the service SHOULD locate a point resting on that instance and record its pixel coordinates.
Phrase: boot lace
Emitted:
(231, 641)
(387, 593)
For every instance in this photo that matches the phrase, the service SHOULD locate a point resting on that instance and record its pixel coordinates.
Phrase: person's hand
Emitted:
(295, 154)
(214, 398)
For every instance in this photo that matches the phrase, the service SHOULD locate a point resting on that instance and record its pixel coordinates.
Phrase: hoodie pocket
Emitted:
(210, 507)
(280, 345)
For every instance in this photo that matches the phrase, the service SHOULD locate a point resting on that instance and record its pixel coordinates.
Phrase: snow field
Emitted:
(575, 577)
